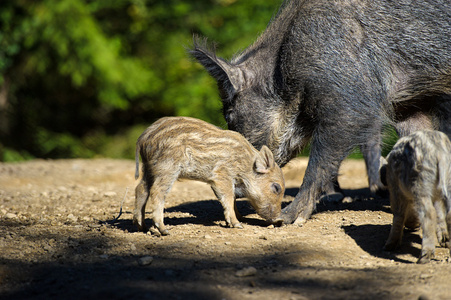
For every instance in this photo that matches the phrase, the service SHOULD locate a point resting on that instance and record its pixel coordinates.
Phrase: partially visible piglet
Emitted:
(182, 147)
(418, 175)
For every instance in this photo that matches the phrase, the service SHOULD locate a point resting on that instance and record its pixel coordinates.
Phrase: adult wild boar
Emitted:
(332, 73)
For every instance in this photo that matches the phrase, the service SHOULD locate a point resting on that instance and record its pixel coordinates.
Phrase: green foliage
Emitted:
(76, 76)
(120, 145)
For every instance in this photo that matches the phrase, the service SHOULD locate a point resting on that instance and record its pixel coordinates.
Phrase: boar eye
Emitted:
(276, 188)
(229, 116)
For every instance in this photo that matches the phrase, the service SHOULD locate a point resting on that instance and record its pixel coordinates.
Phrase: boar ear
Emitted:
(231, 79)
(264, 161)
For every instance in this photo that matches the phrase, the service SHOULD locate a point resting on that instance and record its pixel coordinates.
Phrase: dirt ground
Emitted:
(52, 245)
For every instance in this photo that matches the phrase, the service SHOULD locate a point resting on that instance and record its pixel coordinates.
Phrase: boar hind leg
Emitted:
(371, 153)
(332, 191)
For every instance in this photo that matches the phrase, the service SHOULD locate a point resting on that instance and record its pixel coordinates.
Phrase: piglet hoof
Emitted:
(160, 227)
(442, 237)
(238, 225)
(164, 231)
(141, 228)
(425, 257)
(154, 231)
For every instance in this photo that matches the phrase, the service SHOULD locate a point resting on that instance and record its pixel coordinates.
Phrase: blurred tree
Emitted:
(75, 71)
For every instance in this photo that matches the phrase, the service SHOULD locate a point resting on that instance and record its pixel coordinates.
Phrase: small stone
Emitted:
(110, 194)
(228, 243)
(10, 216)
(92, 189)
(425, 276)
(72, 218)
(132, 247)
(348, 199)
(48, 248)
(207, 236)
(145, 260)
(249, 271)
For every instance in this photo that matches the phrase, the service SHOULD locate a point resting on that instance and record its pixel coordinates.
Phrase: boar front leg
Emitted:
(322, 168)
(225, 194)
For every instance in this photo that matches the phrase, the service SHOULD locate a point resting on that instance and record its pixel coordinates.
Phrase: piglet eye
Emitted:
(276, 188)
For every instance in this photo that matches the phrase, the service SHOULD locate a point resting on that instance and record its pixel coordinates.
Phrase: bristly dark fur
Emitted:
(333, 73)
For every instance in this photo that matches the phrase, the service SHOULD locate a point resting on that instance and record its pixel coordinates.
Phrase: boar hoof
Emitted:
(287, 216)
(391, 246)
(300, 221)
(332, 197)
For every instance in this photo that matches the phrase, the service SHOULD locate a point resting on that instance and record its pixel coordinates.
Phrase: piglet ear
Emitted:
(264, 161)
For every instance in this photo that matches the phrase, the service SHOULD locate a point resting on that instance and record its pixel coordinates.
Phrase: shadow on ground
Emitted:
(171, 276)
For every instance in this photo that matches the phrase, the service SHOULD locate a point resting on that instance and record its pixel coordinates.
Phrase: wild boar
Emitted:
(333, 73)
(182, 147)
(418, 176)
